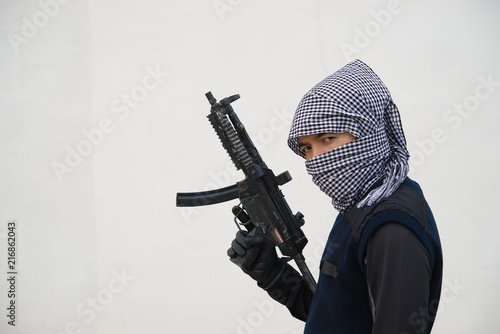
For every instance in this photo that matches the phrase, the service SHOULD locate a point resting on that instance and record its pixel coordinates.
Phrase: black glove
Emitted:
(255, 255)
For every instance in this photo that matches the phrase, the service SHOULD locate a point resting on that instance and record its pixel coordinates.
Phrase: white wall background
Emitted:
(94, 148)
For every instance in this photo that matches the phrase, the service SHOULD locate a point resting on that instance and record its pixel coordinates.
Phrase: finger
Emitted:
(238, 248)
(254, 240)
(231, 253)
(241, 238)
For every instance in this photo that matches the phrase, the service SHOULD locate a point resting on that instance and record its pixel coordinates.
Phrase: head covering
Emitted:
(353, 100)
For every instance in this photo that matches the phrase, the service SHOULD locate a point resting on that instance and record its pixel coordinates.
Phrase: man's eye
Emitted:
(306, 149)
(327, 139)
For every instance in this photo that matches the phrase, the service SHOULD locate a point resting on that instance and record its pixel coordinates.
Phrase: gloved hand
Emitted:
(255, 255)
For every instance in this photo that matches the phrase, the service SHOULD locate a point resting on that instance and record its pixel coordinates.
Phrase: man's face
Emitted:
(316, 144)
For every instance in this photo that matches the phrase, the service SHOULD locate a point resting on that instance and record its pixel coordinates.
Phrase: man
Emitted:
(381, 269)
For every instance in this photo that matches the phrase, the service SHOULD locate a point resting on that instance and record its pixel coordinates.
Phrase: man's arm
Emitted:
(258, 259)
(398, 273)
(291, 289)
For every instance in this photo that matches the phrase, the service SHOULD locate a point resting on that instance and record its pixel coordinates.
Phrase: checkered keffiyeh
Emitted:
(353, 100)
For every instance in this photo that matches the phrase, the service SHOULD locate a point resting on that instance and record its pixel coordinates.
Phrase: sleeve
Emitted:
(398, 273)
(289, 288)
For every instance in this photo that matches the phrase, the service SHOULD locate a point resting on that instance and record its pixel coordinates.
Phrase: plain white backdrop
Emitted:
(103, 120)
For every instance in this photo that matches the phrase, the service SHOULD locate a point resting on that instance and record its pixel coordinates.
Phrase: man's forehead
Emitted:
(303, 140)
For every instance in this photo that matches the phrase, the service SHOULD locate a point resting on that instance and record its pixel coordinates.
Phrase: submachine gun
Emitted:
(262, 204)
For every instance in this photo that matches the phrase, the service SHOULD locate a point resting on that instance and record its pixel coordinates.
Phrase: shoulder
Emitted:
(406, 205)
(397, 249)
(395, 240)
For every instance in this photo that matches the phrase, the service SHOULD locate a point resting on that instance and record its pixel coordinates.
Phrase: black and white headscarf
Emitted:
(353, 100)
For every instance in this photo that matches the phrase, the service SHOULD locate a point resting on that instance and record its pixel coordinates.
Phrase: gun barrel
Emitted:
(301, 264)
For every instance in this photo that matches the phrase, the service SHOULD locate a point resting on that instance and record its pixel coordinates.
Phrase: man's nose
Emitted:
(316, 150)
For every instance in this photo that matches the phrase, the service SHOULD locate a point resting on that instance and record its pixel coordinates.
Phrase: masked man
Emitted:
(381, 269)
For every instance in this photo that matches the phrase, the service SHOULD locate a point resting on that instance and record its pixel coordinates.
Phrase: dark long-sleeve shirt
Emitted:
(398, 273)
